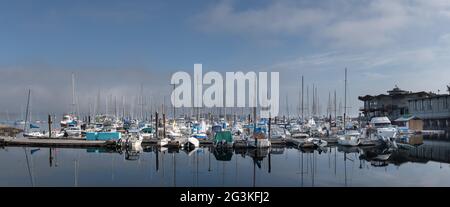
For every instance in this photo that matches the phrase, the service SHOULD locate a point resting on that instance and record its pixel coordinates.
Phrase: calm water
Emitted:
(424, 165)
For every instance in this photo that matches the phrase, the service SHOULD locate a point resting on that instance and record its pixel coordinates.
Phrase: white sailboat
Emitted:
(26, 128)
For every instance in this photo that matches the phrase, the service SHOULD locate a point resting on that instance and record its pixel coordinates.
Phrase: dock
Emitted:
(77, 142)
(53, 142)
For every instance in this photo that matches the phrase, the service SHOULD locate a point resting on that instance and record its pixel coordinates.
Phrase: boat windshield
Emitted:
(380, 125)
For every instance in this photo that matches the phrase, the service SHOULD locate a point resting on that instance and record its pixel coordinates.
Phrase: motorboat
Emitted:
(350, 138)
(191, 143)
(133, 140)
(383, 127)
(68, 120)
(300, 135)
(174, 131)
(258, 140)
(147, 132)
(223, 139)
(55, 134)
(237, 129)
(33, 134)
(317, 142)
(163, 142)
(277, 133)
(199, 130)
(73, 131)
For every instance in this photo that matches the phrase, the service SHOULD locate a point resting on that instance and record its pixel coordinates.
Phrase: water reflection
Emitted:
(416, 162)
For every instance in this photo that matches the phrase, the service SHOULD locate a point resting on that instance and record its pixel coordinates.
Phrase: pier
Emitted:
(52, 142)
(82, 142)
(77, 142)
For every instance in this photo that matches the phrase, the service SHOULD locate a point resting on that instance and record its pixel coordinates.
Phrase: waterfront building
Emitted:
(410, 122)
(393, 105)
(434, 110)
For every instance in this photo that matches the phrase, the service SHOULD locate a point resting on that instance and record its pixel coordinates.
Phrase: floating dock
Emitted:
(74, 142)
(53, 142)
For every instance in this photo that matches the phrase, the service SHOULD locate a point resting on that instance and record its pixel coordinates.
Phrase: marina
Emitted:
(214, 167)
(217, 136)
(285, 93)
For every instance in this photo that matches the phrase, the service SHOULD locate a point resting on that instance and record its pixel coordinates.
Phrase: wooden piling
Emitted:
(49, 126)
(270, 124)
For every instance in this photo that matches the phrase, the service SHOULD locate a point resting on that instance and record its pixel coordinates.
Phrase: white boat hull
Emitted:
(349, 141)
(192, 142)
(387, 132)
(163, 142)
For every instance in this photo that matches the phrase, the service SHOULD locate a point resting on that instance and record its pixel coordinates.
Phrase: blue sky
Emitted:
(382, 43)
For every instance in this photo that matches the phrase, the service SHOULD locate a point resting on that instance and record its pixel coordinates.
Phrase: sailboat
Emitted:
(350, 137)
(26, 128)
(70, 120)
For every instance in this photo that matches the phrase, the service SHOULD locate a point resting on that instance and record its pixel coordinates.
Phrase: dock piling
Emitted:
(49, 126)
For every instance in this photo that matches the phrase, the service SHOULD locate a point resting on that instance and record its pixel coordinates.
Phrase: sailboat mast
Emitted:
(313, 101)
(73, 94)
(287, 107)
(123, 106)
(142, 101)
(302, 99)
(335, 106)
(115, 106)
(307, 100)
(174, 99)
(345, 97)
(299, 101)
(26, 113)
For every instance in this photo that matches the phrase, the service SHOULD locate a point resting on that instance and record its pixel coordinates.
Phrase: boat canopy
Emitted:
(147, 130)
(380, 120)
(223, 135)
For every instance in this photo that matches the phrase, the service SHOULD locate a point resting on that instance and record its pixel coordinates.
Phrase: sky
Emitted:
(114, 47)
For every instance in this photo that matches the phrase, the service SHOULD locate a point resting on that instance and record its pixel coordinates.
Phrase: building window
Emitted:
(430, 106)
(446, 103)
(422, 105)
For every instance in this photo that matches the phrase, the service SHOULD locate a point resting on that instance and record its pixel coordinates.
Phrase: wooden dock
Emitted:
(74, 142)
(53, 142)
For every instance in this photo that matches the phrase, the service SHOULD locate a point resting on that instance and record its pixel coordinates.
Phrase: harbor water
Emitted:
(423, 164)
